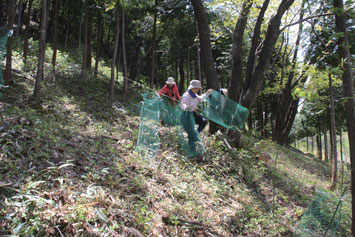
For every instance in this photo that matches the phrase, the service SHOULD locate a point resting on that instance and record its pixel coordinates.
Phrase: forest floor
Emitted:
(68, 167)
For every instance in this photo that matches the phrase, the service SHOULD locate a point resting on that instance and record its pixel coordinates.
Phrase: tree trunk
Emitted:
(333, 142)
(272, 34)
(206, 49)
(348, 91)
(54, 57)
(99, 42)
(254, 45)
(236, 82)
(19, 18)
(85, 48)
(325, 141)
(27, 31)
(41, 52)
(10, 24)
(188, 65)
(124, 60)
(286, 106)
(152, 63)
(117, 34)
(182, 76)
(319, 146)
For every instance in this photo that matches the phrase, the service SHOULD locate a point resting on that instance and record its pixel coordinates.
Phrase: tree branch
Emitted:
(305, 19)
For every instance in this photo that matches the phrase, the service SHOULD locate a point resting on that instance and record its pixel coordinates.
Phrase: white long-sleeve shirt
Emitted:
(188, 103)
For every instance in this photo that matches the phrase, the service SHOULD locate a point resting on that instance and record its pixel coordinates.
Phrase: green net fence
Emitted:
(4, 35)
(322, 216)
(157, 112)
(224, 111)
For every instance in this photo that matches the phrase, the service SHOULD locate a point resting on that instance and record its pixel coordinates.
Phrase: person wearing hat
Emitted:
(189, 103)
(170, 90)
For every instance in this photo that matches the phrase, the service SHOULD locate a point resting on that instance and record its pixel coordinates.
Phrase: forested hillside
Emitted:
(72, 116)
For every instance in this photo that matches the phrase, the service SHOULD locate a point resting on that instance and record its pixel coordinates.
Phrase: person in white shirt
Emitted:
(189, 103)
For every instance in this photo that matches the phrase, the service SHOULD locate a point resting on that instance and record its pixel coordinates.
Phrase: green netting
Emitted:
(224, 111)
(155, 109)
(4, 35)
(322, 216)
(157, 112)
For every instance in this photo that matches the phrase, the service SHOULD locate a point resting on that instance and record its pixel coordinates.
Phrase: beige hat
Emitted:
(170, 80)
(195, 84)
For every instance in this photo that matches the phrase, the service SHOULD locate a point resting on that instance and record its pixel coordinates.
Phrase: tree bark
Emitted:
(117, 34)
(10, 26)
(27, 31)
(124, 60)
(236, 81)
(272, 34)
(206, 49)
(152, 62)
(286, 106)
(182, 76)
(254, 45)
(19, 18)
(333, 141)
(348, 91)
(86, 41)
(99, 42)
(55, 35)
(41, 52)
(325, 141)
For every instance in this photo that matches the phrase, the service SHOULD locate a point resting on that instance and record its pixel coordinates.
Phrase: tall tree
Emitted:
(27, 30)
(117, 34)
(124, 59)
(205, 42)
(348, 91)
(41, 51)
(154, 38)
(333, 142)
(86, 42)
(55, 35)
(10, 24)
(99, 41)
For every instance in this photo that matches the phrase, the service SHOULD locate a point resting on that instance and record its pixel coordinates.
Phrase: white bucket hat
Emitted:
(195, 84)
(170, 80)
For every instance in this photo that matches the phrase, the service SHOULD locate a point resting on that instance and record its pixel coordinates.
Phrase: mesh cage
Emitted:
(322, 216)
(4, 35)
(224, 111)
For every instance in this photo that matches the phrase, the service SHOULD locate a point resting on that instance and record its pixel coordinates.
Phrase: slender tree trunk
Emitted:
(124, 60)
(88, 46)
(41, 52)
(312, 144)
(27, 31)
(117, 34)
(325, 142)
(67, 27)
(182, 76)
(188, 65)
(10, 25)
(79, 41)
(152, 63)
(333, 143)
(198, 62)
(348, 91)
(319, 146)
(86, 41)
(19, 18)
(55, 35)
(99, 42)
